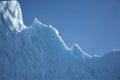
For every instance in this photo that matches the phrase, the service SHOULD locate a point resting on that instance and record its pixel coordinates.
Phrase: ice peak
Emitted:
(76, 47)
(49, 30)
(36, 21)
(76, 50)
(11, 16)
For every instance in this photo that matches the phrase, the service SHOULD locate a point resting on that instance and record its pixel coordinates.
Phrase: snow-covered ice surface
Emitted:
(38, 52)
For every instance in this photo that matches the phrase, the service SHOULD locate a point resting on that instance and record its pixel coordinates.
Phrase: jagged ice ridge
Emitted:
(38, 52)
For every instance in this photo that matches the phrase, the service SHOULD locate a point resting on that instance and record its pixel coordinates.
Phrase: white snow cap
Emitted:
(11, 16)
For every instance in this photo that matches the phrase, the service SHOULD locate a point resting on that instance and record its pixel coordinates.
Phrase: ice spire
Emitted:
(78, 52)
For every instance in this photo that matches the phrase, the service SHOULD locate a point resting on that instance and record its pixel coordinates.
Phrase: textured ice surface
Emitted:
(38, 52)
(10, 15)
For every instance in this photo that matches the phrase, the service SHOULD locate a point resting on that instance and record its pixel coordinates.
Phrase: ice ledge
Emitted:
(116, 50)
(11, 16)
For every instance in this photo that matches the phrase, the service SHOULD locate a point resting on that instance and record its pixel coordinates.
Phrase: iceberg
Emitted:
(38, 52)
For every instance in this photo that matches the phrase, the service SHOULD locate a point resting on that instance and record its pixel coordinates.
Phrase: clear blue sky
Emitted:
(93, 24)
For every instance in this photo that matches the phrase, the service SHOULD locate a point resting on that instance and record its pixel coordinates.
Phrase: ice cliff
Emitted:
(38, 52)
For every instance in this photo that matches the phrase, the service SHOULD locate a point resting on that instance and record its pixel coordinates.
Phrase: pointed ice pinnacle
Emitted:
(78, 52)
(11, 16)
(36, 21)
